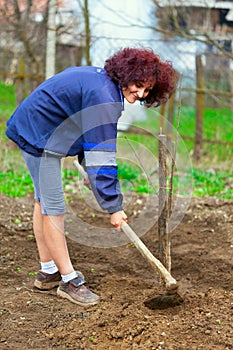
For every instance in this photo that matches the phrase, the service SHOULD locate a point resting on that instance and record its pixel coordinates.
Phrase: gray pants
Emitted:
(46, 176)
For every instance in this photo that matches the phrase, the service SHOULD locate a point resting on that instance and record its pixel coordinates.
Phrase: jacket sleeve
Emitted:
(99, 125)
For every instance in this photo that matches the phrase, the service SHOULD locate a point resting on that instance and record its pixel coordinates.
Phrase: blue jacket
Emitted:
(75, 113)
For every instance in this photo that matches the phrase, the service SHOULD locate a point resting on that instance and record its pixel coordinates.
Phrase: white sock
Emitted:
(69, 277)
(48, 267)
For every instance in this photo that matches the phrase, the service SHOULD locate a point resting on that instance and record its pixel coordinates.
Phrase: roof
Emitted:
(197, 3)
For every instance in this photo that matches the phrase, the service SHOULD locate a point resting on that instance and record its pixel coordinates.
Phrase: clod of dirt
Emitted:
(164, 301)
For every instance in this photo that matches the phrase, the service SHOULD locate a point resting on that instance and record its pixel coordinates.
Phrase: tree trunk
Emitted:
(51, 40)
(170, 119)
(162, 118)
(162, 220)
(87, 33)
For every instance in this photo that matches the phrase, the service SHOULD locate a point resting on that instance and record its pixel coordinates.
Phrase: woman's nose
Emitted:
(141, 93)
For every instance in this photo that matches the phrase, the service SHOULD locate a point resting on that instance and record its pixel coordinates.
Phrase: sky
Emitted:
(118, 19)
(115, 18)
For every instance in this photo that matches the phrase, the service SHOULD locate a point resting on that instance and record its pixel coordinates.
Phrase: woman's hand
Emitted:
(87, 183)
(117, 218)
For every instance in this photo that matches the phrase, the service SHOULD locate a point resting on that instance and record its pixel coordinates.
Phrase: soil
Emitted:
(202, 261)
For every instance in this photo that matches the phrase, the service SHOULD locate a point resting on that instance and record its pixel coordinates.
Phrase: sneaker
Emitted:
(77, 293)
(46, 281)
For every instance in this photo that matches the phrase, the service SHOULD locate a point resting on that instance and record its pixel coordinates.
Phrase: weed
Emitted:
(34, 273)
(92, 338)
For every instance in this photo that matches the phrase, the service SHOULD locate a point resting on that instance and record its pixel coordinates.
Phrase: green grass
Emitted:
(217, 126)
(7, 100)
(19, 184)
(208, 183)
(15, 183)
(138, 152)
(132, 178)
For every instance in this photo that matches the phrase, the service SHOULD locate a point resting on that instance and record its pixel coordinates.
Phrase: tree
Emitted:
(191, 21)
(196, 21)
(23, 34)
(25, 30)
(86, 16)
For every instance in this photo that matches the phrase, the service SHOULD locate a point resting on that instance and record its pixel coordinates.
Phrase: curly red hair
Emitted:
(134, 65)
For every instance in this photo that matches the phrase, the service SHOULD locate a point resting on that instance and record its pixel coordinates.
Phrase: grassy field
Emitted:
(138, 155)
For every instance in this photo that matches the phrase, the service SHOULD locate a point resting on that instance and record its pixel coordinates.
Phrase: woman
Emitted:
(75, 113)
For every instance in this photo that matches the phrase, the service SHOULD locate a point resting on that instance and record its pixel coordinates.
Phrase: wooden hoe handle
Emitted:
(170, 282)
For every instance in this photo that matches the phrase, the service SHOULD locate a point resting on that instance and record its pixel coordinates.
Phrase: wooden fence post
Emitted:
(20, 81)
(200, 104)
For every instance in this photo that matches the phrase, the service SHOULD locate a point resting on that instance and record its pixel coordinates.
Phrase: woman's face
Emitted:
(137, 91)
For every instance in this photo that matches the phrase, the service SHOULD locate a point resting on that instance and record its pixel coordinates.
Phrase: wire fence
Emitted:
(218, 70)
(217, 73)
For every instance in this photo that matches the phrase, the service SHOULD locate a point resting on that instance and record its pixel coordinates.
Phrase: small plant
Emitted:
(207, 183)
(32, 273)
(92, 338)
